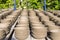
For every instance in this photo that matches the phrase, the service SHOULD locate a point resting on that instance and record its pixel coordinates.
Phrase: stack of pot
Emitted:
(38, 31)
(22, 28)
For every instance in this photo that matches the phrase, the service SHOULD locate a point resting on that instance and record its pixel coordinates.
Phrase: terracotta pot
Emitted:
(0, 16)
(58, 23)
(24, 14)
(58, 14)
(5, 26)
(6, 20)
(21, 33)
(22, 25)
(51, 18)
(32, 13)
(55, 21)
(12, 17)
(55, 35)
(2, 34)
(35, 25)
(35, 21)
(9, 20)
(23, 21)
(47, 23)
(39, 32)
(44, 21)
(45, 17)
(53, 27)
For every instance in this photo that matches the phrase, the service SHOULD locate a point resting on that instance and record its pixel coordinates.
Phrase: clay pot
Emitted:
(24, 17)
(45, 17)
(53, 27)
(47, 23)
(22, 25)
(32, 13)
(35, 25)
(12, 19)
(39, 32)
(5, 26)
(54, 13)
(0, 16)
(9, 20)
(55, 35)
(24, 14)
(51, 18)
(2, 34)
(23, 21)
(15, 14)
(33, 17)
(21, 33)
(58, 14)
(6, 20)
(35, 22)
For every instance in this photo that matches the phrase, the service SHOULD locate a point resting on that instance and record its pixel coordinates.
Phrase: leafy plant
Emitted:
(34, 4)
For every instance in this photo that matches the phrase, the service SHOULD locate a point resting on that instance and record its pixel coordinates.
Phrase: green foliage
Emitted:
(35, 4)
(6, 3)
(53, 4)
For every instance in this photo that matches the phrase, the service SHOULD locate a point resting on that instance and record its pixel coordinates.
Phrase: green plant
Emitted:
(34, 4)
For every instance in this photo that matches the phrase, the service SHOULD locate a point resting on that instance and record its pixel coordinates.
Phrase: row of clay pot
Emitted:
(45, 20)
(55, 12)
(4, 14)
(3, 10)
(6, 24)
(38, 31)
(22, 28)
(53, 18)
(24, 12)
(52, 28)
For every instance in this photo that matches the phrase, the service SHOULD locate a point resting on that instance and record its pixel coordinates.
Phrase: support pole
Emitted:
(44, 5)
(14, 4)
